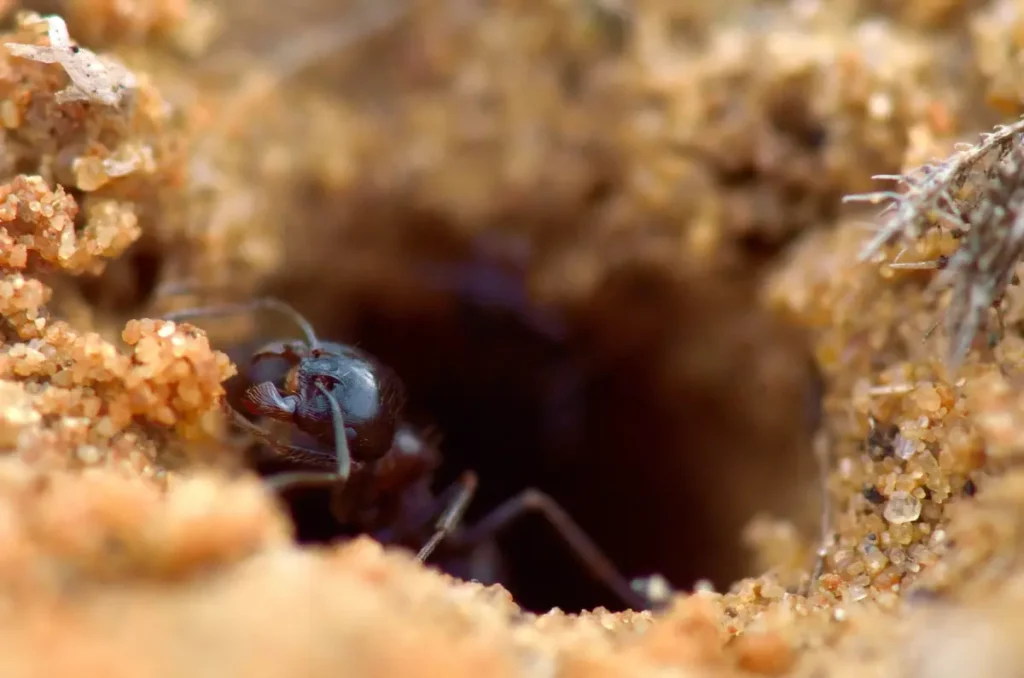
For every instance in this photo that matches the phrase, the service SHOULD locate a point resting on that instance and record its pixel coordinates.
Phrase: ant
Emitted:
(349, 436)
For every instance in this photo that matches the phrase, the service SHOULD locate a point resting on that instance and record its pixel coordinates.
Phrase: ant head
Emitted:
(320, 387)
(369, 395)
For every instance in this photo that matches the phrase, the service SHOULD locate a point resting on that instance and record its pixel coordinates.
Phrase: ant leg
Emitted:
(258, 304)
(292, 480)
(464, 489)
(450, 504)
(582, 546)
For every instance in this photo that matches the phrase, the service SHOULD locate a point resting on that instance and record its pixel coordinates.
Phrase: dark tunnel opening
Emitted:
(662, 409)
(642, 418)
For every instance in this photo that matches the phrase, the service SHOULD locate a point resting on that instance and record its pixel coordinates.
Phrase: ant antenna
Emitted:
(261, 303)
(340, 441)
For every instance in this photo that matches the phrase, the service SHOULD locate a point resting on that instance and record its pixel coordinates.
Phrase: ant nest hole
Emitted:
(667, 413)
(656, 401)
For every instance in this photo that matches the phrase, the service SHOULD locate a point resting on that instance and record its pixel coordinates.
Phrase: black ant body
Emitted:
(351, 438)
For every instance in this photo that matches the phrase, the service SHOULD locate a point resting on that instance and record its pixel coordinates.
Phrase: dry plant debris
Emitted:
(976, 194)
(92, 78)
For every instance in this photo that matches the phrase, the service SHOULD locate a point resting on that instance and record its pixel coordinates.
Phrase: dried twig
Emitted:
(989, 216)
(980, 271)
(931, 190)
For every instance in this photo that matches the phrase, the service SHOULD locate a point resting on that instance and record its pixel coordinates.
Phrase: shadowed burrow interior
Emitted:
(661, 408)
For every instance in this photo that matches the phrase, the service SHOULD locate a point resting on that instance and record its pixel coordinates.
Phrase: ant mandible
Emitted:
(347, 408)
